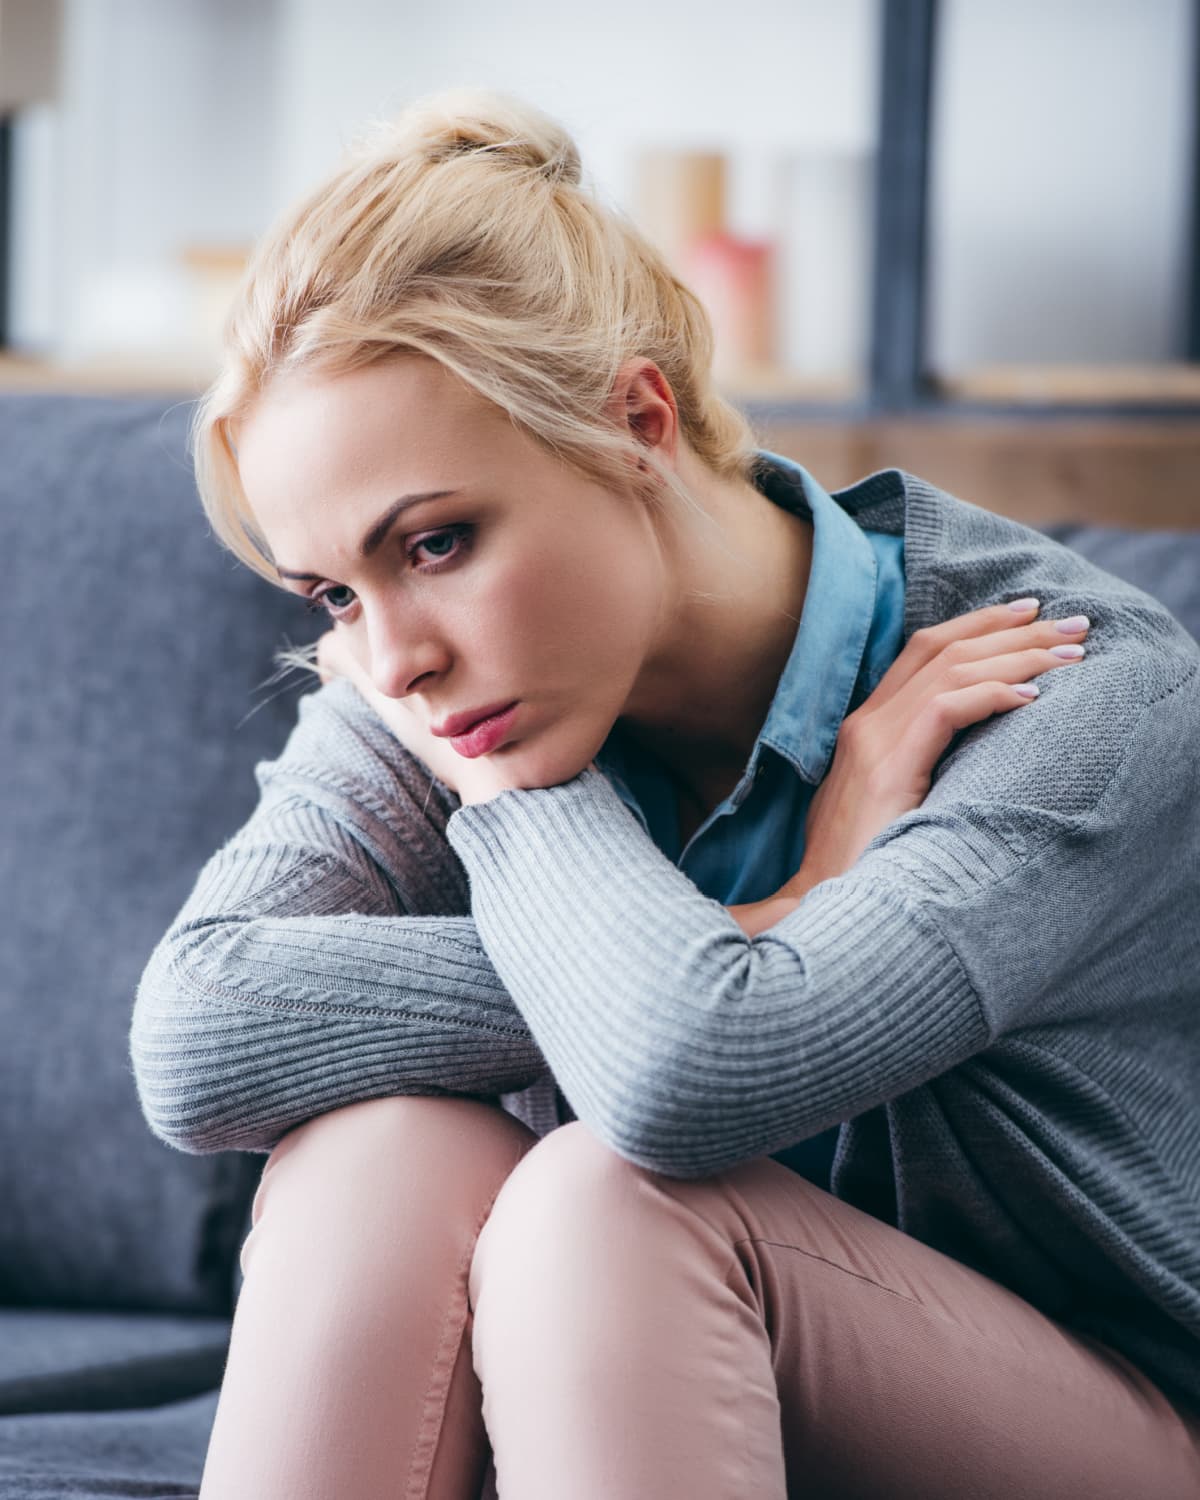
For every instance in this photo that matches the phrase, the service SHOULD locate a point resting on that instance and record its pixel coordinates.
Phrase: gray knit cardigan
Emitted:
(1001, 998)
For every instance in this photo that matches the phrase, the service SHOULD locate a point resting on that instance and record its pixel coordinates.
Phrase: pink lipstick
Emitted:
(485, 735)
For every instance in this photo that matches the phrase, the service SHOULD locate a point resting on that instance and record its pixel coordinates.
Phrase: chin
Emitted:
(535, 763)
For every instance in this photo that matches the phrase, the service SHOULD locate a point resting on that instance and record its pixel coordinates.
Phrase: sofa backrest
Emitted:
(135, 698)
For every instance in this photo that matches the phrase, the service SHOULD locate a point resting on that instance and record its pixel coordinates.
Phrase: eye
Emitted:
(455, 540)
(319, 603)
(457, 536)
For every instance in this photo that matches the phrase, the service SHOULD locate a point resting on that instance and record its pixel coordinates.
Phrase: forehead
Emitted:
(399, 424)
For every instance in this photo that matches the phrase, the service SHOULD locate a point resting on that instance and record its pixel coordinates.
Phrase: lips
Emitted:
(460, 723)
(485, 736)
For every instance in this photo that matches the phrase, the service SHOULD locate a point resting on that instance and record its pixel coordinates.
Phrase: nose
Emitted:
(402, 653)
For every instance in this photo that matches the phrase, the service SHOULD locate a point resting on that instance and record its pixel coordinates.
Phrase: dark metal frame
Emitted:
(1191, 348)
(897, 359)
(899, 382)
(5, 223)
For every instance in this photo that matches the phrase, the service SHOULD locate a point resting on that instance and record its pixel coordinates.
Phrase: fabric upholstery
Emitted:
(71, 1360)
(149, 1453)
(135, 701)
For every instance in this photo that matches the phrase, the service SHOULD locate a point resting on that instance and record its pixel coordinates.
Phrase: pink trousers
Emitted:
(439, 1304)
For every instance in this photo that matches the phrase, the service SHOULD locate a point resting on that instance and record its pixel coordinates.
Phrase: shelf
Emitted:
(112, 375)
(1006, 385)
(1062, 384)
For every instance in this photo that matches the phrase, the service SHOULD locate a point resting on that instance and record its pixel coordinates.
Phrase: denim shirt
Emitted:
(851, 630)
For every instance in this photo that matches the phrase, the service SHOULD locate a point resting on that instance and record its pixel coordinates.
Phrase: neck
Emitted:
(736, 584)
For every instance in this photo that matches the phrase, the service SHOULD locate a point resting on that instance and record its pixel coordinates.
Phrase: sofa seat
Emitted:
(153, 1452)
(64, 1359)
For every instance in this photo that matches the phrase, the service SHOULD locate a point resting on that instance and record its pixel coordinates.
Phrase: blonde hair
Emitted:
(461, 230)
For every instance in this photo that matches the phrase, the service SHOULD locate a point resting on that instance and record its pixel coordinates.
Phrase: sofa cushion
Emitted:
(54, 1360)
(137, 696)
(154, 1453)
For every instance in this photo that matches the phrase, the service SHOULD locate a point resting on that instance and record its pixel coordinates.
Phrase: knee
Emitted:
(379, 1160)
(449, 1127)
(570, 1185)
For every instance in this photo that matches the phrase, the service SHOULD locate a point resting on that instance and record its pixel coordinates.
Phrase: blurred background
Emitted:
(956, 236)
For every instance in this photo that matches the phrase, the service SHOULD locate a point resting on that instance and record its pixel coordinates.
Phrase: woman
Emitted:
(876, 1067)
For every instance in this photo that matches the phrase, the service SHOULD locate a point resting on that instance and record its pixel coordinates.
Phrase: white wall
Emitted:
(1060, 168)
(163, 135)
(763, 83)
(1060, 184)
(764, 75)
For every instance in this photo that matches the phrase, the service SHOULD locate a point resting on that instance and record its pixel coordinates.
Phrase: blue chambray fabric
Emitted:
(851, 630)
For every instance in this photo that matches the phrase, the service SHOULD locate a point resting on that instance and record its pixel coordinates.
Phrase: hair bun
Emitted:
(486, 122)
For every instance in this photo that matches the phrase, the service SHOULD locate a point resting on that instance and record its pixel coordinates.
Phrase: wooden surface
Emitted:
(1128, 473)
(1168, 382)
(126, 376)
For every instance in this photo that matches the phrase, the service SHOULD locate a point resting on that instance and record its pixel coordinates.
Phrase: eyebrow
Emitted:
(375, 537)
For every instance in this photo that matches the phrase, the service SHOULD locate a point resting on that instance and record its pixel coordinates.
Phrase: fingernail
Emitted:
(1068, 653)
(1027, 689)
(1074, 625)
(1022, 605)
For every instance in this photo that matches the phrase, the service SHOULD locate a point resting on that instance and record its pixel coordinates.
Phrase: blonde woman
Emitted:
(706, 1040)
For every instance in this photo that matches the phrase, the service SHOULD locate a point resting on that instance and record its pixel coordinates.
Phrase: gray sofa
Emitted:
(137, 695)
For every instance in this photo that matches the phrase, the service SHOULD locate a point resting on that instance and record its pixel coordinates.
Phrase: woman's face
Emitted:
(523, 581)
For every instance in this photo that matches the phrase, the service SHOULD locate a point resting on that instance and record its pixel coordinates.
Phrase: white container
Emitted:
(824, 225)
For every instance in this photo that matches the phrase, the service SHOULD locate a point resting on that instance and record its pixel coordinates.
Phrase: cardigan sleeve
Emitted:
(325, 953)
(689, 1047)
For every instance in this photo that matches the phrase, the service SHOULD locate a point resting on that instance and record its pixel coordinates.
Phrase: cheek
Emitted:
(581, 607)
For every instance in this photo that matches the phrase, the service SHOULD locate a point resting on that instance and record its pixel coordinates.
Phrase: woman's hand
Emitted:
(946, 678)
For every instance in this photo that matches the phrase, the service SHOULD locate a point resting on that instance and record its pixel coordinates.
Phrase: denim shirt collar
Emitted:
(817, 683)
(816, 686)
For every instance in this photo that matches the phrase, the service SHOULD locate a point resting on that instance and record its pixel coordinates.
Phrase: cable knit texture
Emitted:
(999, 998)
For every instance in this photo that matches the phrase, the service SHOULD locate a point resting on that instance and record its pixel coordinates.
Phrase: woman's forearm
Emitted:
(754, 917)
(685, 1044)
(325, 954)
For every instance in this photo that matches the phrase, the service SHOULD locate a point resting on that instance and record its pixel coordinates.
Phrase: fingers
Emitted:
(950, 712)
(979, 635)
(1013, 667)
(924, 740)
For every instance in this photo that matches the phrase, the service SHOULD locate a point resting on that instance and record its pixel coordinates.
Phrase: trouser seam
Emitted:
(428, 1444)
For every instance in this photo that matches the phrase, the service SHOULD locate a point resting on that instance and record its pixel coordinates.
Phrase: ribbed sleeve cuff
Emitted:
(478, 830)
(574, 859)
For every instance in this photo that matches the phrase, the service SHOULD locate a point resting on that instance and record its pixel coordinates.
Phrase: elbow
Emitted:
(664, 1128)
(171, 1132)
(188, 1112)
(690, 1114)
(666, 1151)
(169, 1101)
(181, 1100)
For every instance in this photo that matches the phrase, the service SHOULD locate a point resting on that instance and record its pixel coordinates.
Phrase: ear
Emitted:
(642, 398)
